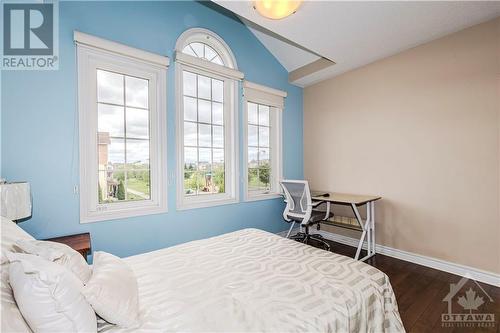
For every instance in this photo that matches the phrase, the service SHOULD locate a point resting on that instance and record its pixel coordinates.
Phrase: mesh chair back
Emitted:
(298, 198)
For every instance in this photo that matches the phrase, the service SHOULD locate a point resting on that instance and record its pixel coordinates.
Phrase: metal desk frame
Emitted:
(367, 225)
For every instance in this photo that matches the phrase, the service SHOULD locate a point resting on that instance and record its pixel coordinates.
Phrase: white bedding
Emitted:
(254, 281)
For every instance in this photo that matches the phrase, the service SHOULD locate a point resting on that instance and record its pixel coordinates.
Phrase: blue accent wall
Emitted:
(39, 127)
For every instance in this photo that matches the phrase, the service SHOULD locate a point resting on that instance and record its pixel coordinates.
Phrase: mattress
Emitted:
(255, 281)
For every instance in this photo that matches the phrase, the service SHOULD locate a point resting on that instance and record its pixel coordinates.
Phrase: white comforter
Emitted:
(255, 281)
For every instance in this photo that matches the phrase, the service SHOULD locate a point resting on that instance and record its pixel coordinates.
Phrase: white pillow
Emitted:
(59, 253)
(11, 233)
(112, 290)
(49, 296)
(12, 320)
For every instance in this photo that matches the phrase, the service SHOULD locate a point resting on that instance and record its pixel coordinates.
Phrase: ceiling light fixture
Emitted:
(276, 9)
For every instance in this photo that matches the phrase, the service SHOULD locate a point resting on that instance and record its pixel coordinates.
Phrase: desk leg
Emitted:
(369, 228)
(328, 209)
(363, 234)
(368, 231)
(373, 225)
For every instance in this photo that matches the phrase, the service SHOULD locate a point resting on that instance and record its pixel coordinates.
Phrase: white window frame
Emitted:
(230, 76)
(259, 94)
(96, 53)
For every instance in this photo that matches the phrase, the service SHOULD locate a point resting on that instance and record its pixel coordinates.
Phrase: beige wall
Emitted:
(421, 129)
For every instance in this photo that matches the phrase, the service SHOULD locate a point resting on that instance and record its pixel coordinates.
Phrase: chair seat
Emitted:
(316, 216)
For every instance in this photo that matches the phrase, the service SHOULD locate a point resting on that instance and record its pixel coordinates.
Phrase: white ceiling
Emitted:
(353, 34)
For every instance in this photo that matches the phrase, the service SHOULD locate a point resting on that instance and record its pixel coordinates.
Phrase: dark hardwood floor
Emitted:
(420, 291)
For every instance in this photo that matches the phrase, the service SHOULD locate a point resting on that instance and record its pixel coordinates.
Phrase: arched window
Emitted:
(206, 45)
(203, 51)
(207, 142)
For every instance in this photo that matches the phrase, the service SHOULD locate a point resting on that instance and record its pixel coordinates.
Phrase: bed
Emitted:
(254, 281)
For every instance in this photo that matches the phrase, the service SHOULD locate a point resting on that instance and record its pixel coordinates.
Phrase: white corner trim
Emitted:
(110, 46)
(269, 90)
(208, 66)
(439, 264)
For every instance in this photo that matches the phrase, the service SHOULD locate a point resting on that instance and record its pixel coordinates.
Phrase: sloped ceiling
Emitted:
(290, 56)
(353, 34)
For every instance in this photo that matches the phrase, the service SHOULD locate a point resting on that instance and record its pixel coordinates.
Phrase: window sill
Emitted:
(263, 196)
(194, 204)
(98, 216)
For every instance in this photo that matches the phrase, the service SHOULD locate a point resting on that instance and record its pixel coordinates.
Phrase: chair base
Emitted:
(307, 238)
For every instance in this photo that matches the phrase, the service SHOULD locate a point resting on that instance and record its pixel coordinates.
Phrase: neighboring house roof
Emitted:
(103, 138)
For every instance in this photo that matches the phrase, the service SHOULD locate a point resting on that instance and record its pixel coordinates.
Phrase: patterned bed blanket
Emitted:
(255, 281)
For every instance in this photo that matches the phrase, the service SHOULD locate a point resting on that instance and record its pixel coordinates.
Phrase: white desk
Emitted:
(367, 227)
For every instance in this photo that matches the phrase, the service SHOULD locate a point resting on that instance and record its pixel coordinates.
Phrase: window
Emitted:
(263, 156)
(259, 166)
(203, 51)
(121, 96)
(207, 120)
(203, 134)
(123, 137)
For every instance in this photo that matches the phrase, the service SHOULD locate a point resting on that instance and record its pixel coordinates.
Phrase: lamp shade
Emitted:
(15, 200)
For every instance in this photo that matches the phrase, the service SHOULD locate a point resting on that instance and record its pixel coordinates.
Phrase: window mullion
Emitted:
(258, 145)
(211, 137)
(272, 148)
(197, 137)
(125, 167)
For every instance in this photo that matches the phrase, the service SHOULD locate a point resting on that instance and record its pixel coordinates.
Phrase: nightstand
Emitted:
(78, 242)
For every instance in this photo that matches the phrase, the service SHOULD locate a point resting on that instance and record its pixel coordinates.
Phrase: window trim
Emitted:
(209, 67)
(83, 39)
(230, 76)
(259, 94)
(93, 53)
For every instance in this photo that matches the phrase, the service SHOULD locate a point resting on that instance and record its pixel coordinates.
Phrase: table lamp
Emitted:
(15, 200)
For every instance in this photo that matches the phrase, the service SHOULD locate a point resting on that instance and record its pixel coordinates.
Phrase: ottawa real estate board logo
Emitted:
(30, 36)
(467, 306)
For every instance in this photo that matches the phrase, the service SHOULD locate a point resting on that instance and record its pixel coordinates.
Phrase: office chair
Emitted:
(300, 209)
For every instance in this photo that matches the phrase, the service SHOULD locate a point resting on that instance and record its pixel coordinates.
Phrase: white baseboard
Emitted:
(442, 265)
